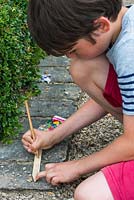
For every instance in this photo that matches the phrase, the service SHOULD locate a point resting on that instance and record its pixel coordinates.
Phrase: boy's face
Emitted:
(84, 49)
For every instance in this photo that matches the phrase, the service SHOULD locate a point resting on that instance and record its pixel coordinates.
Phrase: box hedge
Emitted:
(19, 73)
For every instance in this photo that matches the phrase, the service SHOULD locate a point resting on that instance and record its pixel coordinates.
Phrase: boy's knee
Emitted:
(87, 189)
(83, 192)
(79, 194)
(77, 72)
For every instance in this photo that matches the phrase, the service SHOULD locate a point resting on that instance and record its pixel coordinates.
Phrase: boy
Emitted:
(98, 37)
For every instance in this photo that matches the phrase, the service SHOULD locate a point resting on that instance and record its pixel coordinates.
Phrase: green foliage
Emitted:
(19, 57)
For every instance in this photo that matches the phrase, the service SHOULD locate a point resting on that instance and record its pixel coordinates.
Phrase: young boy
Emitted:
(98, 37)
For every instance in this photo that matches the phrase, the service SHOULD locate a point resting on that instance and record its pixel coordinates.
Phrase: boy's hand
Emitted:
(43, 140)
(56, 173)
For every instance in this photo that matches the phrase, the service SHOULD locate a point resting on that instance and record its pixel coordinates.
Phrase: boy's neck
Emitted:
(117, 25)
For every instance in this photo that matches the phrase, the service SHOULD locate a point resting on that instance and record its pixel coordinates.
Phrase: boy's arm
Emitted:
(121, 149)
(87, 114)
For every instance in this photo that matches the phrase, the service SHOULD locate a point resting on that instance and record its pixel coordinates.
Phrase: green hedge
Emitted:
(19, 57)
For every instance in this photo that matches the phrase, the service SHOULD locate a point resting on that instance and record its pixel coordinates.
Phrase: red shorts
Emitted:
(112, 92)
(120, 178)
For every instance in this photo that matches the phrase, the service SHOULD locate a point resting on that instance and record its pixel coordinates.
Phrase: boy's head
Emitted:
(56, 25)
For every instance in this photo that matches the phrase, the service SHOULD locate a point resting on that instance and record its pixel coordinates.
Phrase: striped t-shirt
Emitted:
(121, 55)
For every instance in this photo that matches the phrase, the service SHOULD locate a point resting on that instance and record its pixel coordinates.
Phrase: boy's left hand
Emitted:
(56, 173)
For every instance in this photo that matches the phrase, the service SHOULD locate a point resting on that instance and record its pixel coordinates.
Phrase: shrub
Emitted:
(19, 73)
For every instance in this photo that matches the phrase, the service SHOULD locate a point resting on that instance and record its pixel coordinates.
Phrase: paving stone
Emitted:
(58, 74)
(17, 176)
(58, 91)
(44, 108)
(16, 152)
(37, 121)
(16, 165)
(54, 100)
(64, 108)
(52, 61)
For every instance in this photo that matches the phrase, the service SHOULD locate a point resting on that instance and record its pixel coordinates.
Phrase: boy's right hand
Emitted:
(43, 140)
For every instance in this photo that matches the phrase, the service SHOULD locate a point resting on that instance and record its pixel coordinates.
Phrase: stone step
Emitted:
(17, 176)
(16, 165)
(56, 98)
(58, 91)
(57, 74)
(51, 61)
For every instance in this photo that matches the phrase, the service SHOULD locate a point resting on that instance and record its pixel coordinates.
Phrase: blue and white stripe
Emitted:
(126, 84)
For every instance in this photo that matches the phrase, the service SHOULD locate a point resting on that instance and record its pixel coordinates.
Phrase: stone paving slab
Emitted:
(15, 175)
(56, 98)
(58, 91)
(37, 121)
(54, 61)
(58, 74)
(16, 165)
(16, 152)
(46, 109)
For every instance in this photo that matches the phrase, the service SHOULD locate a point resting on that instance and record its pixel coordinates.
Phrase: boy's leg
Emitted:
(91, 76)
(94, 188)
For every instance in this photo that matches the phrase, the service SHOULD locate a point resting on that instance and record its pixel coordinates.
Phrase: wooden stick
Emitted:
(29, 119)
(37, 157)
(36, 165)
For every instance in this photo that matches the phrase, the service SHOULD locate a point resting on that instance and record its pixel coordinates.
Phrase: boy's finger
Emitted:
(55, 181)
(35, 145)
(50, 165)
(28, 149)
(27, 139)
(25, 143)
(41, 175)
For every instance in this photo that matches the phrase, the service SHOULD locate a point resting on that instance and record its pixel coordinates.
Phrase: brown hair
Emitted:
(56, 25)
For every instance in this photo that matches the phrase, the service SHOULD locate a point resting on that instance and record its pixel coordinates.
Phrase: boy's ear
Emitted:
(104, 24)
